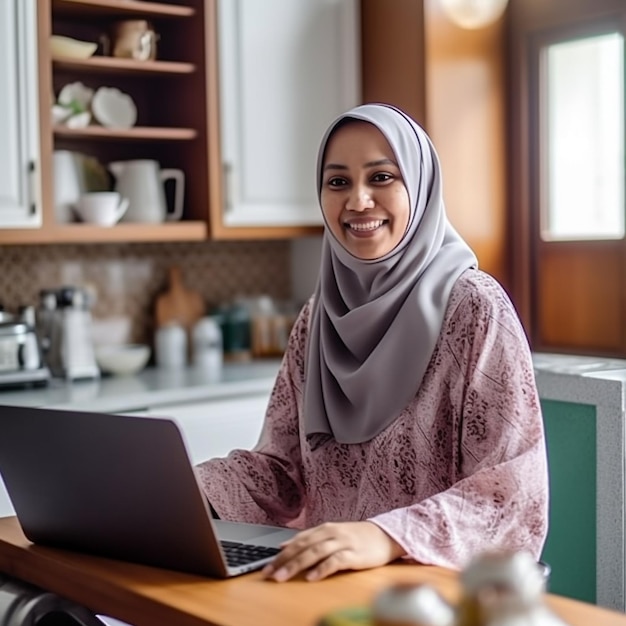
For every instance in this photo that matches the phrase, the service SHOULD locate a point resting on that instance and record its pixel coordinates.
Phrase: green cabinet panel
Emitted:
(571, 544)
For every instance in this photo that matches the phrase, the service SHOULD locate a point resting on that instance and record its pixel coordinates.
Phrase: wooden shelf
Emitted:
(113, 65)
(137, 133)
(129, 8)
(86, 233)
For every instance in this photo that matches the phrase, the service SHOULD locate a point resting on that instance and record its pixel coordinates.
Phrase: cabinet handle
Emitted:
(32, 187)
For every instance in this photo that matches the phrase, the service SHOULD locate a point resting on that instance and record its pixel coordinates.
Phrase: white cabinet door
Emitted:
(215, 427)
(19, 124)
(287, 69)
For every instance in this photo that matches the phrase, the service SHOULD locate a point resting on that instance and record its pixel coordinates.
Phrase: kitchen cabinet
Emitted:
(582, 401)
(233, 90)
(20, 195)
(170, 93)
(213, 428)
(170, 96)
(286, 70)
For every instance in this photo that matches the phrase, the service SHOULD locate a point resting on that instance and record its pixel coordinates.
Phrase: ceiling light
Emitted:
(473, 13)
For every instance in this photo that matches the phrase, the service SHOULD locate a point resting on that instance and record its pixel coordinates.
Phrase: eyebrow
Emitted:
(338, 166)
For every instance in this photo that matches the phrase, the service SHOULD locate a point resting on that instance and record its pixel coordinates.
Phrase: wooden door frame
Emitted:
(530, 26)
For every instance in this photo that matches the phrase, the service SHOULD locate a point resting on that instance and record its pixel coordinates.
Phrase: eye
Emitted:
(386, 177)
(382, 177)
(336, 181)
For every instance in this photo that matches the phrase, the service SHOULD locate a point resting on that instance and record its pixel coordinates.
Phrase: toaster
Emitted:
(21, 360)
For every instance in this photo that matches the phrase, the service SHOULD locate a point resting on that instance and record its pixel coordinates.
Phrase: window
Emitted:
(582, 121)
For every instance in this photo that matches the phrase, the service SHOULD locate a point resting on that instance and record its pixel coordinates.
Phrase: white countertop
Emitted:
(154, 387)
(151, 387)
(599, 367)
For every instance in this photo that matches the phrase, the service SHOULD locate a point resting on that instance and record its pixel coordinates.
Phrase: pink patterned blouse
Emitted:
(461, 470)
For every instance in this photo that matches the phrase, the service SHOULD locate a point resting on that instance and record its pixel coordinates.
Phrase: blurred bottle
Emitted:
(75, 340)
(207, 345)
(170, 346)
(235, 322)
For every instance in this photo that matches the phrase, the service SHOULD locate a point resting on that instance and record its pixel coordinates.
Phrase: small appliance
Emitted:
(21, 361)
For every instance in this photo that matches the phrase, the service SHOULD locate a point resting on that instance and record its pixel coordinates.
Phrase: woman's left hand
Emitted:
(331, 547)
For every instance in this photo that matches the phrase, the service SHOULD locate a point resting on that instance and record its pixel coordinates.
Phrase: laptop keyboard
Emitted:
(238, 554)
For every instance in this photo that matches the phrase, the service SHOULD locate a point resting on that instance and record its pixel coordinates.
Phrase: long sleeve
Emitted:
(499, 497)
(264, 485)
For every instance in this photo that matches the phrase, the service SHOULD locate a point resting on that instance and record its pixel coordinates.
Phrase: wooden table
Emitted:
(146, 596)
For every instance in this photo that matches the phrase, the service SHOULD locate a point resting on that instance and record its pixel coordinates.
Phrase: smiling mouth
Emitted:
(364, 227)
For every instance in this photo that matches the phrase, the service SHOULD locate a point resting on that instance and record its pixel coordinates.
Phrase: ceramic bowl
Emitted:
(122, 360)
(68, 48)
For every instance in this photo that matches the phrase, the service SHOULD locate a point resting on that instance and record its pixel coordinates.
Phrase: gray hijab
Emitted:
(375, 323)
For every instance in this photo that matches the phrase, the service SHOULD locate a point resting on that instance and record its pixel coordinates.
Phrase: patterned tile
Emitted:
(127, 278)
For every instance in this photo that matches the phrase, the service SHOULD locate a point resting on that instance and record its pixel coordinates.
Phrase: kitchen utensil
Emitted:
(142, 182)
(134, 39)
(103, 208)
(178, 304)
(69, 183)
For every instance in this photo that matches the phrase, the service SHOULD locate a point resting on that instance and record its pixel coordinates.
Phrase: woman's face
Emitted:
(363, 196)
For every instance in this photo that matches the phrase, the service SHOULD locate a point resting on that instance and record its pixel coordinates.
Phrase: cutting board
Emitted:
(177, 303)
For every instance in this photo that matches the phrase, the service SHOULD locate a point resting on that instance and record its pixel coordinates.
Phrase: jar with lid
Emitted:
(170, 346)
(235, 324)
(207, 350)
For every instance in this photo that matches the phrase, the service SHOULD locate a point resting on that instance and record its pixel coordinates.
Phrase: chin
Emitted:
(366, 254)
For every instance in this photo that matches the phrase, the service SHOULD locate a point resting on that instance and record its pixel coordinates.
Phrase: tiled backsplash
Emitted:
(128, 277)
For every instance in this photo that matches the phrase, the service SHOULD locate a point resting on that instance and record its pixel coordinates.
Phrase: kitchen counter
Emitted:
(583, 403)
(575, 378)
(149, 388)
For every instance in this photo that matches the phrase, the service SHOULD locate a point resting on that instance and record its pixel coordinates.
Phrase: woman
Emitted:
(404, 421)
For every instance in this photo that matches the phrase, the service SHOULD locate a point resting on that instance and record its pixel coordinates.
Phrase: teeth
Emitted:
(363, 226)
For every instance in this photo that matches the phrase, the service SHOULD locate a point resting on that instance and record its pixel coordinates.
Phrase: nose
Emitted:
(359, 199)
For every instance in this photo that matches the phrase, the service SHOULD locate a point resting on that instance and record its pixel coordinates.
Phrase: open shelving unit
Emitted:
(170, 93)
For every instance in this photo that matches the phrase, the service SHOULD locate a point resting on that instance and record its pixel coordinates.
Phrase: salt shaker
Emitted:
(170, 346)
(207, 345)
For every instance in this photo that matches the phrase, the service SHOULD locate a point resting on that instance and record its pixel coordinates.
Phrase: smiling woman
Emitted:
(364, 199)
(405, 420)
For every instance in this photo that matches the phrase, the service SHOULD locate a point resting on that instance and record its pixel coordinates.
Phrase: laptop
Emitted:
(122, 487)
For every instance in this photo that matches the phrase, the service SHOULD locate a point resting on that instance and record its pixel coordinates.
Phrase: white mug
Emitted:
(103, 208)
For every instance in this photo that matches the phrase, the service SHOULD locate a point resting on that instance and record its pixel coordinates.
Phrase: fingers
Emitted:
(306, 550)
(331, 547)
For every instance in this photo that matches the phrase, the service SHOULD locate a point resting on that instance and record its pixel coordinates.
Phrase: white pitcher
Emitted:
(142, 182)
(69, 183)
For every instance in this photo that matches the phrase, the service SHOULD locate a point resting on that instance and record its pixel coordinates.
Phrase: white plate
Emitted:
(113, 108)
